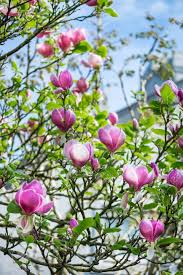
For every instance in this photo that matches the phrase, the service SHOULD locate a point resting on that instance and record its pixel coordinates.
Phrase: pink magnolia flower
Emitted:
(63, 81)
(112, 137)
(69, 231)
(155, 168)
(42, 139)
(175, 177)
(92, 3)
(124, 200)
(81, 86)
(31, 123)
(90, 150)
(171, 84)
(32, 2)
(78, 35)
(31, 197)
(9, 11)
(46, 50)
(28, 94)
(63, 119)
(137, 176)
(76, 152)
(180, 142)
(135, 123)
(180, 96)
(113, 118)
(174, 128)
(64, 41)
(151, 229)
(95, 164)
(94, 61)
(73, 223)
(25, 224)
(1, 183)
(43, 34)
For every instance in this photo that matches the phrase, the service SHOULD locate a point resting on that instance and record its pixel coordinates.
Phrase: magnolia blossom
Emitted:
(32, 2)
(73, 223)
(31, 123)
(175, 177)
(180, 142)
(78, 35)
(95, 164)
(81, 86)
(46, 50)
(28, 94)
(94, 61)
(78, 153)
(113, 118)
(90, 150)
(25, 224)
(174, 128)
(63, 80)
(31, 197)
(1, 183)
(138, 176)
(112, 137)
(43, 34)
(63, 119)
(64, 41)
(9, 11)
(42, 139)
(180, 96)
(124, 200)
(135, 123)
(170, 83)
(151, 229)
(92, 3)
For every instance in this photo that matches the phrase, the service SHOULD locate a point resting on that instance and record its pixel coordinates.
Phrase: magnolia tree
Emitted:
(81, 192)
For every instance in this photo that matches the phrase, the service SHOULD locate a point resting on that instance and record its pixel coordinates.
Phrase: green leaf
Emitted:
(160, 132)
(119, 245)
(109, 173)
(83, 47)
(150, 206)
(111, 12)
(167, 94)
(148, 121)
(83, 225)
(29, 239)
(52, 105)
(112, 230)
(134, 250)
(102, 51)
(155, 107)
(169, 240)
(13, 208)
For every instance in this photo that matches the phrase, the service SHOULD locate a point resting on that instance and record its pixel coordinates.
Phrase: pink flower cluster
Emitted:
(13, 12)
(66, 41)
(64, 82)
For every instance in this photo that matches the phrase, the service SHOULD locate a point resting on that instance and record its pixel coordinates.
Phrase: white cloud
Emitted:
(159, 7)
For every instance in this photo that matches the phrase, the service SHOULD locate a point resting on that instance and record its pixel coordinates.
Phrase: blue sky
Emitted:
(132, 19)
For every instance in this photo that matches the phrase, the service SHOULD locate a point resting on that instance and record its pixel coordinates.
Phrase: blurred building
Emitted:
(177, 64)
